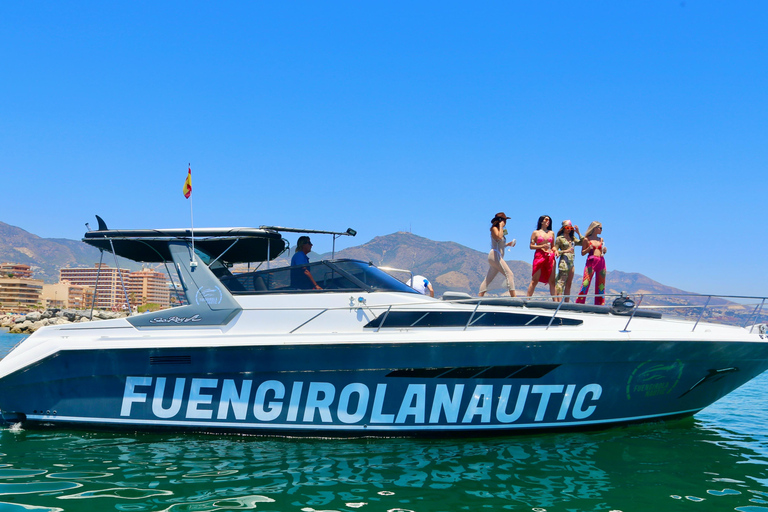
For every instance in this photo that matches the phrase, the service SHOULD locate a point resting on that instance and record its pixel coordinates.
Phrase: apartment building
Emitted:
(15, 270)
(19, 295)
(109, 291)
(148, 287)
(114, 285)
(65, 295)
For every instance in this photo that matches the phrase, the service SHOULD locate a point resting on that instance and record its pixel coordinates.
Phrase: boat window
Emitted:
(220, 270)
(461, 318)
(204, 256)
(343, 275)
(372, 277)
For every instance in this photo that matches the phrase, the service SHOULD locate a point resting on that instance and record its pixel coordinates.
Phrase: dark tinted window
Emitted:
(330, 275)
(372, 277)
(461, 318)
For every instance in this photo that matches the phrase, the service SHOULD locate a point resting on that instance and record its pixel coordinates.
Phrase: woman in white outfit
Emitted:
(496, 261)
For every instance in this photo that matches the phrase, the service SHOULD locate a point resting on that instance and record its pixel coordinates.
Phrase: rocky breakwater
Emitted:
(29, 323)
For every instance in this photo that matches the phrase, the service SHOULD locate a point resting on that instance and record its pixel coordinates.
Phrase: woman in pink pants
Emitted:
(593, 245)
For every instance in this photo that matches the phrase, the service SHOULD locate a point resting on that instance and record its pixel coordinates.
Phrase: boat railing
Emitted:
(741, 310)
(745, 311)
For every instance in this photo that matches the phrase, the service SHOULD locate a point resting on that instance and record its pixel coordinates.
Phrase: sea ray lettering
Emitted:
(175, 320)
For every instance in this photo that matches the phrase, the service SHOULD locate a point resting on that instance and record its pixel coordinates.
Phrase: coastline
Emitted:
(30, 322)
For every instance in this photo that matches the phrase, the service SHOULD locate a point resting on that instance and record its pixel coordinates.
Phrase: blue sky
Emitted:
(651, 117)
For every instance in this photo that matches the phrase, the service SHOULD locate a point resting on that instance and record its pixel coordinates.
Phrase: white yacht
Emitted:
(365, 355)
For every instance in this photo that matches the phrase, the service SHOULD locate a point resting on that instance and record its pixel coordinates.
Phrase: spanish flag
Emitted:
(188, 184)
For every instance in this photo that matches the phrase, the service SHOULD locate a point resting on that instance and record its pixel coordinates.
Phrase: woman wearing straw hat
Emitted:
(496, 261)
(593, 245)
(567, 238)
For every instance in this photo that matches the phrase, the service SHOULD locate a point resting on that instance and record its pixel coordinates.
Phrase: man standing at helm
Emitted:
(422, 285)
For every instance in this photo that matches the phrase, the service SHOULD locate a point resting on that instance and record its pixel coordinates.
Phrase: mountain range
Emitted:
(45, 255)
(448, 265)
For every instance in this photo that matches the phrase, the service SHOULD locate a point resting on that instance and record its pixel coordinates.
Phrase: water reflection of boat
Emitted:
(365, 355)
(636, 468)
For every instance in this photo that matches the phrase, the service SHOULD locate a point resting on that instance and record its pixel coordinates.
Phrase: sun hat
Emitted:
(501, 215)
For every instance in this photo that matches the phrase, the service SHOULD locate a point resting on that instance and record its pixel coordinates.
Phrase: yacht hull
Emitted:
(368, 389)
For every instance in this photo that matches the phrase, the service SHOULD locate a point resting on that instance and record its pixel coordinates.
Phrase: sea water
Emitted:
(717, 461)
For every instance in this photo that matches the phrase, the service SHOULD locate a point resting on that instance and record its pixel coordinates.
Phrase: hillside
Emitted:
(45, 255)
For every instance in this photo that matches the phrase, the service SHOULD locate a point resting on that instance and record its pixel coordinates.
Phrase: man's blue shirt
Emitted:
(299, 279)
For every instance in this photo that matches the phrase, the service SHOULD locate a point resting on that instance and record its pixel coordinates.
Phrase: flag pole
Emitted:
(192, 263)
(188, 195)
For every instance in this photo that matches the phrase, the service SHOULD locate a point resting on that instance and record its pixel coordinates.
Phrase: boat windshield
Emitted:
(336, 275)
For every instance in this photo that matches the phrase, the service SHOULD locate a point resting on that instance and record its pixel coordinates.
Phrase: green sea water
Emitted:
(717, 461)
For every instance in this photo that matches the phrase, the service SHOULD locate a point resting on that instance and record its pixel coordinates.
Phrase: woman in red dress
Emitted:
(543, 242)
